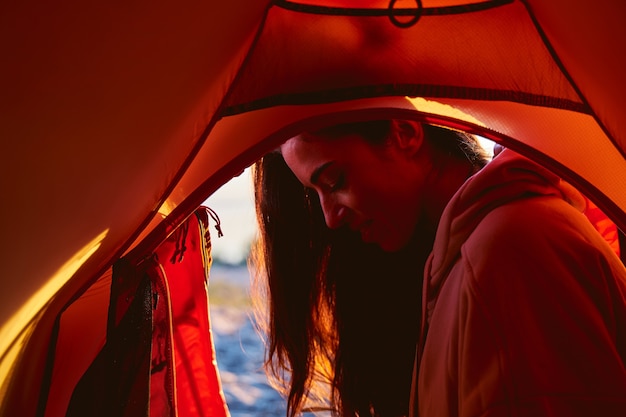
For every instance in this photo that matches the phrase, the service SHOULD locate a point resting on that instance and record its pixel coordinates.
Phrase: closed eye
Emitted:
(329, 177)
(338, 184)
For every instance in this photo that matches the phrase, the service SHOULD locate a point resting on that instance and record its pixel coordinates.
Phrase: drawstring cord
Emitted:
(180, 249)
(216, 219)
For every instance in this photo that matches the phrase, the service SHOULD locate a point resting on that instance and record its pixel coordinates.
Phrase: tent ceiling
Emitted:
(588, 38)
(443, 55)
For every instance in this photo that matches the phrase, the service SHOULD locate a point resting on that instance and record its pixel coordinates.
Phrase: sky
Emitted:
(234, 205)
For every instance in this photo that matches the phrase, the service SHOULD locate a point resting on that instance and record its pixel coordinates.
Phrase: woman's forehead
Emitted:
(315, 144)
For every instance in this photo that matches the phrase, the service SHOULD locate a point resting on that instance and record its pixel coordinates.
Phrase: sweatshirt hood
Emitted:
(508, 177)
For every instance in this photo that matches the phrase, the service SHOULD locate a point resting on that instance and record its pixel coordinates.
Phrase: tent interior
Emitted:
(119, 120)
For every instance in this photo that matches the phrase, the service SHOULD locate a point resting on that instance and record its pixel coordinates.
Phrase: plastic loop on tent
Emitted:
(409, 23)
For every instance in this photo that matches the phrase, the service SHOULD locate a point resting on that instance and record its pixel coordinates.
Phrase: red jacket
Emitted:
(524, 304)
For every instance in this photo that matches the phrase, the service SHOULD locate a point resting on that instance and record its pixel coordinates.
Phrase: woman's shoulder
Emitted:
(527, 216)
(530, 230)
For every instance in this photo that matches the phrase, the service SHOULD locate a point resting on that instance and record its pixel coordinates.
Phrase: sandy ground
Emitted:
(239, 349)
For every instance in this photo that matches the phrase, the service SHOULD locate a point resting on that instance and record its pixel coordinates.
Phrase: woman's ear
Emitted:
(409, 135)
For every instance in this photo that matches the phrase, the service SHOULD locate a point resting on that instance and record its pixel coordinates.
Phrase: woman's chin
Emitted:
(390, 245)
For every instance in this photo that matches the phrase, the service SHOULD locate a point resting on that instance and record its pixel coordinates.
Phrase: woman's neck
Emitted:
(447, 179)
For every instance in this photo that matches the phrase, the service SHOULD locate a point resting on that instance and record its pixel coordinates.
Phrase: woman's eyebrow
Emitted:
(315, 176)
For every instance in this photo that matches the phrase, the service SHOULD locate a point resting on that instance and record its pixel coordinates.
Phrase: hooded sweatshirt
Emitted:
(524, 310)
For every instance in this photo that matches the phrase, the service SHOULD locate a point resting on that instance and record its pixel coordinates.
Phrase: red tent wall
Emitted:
(95, 367)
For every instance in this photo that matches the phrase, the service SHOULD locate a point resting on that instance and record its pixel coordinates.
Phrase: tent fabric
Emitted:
(607, 229)
(505, 122)
(183, 265)
(156, 354)
(120, 119)
(102, 105)
(118, 380)
(73, 355)
(423, 62)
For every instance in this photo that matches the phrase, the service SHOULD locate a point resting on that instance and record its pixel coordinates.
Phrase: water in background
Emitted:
(239, 349)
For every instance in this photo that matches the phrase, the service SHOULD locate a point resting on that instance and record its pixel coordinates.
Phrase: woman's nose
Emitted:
(334, 212)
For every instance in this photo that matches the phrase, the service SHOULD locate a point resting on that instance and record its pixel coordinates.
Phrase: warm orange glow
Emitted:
(167, 207)
(11, 329)
(435, 107)
(7, 362)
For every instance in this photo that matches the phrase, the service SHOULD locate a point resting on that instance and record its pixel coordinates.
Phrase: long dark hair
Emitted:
(341, 317)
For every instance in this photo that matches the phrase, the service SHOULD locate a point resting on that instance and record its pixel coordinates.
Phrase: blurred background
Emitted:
(234, 204)
(238, 347)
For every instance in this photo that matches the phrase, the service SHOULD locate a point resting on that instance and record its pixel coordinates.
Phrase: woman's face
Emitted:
(372, 189)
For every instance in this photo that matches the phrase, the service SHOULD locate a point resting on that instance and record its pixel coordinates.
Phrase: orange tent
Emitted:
(119, 119)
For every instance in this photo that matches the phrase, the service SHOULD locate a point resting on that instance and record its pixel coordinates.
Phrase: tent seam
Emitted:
(412, 90)
(375, 12)
(568, 76)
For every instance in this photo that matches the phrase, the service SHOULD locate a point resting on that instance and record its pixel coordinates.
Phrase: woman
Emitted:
(406, 189)
(332, 316)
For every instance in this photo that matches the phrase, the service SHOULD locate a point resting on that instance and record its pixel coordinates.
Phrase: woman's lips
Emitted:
(365, 229)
